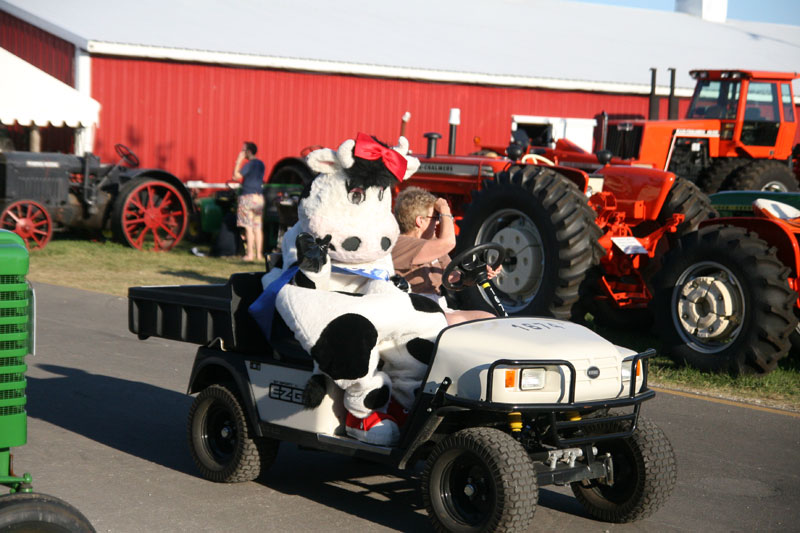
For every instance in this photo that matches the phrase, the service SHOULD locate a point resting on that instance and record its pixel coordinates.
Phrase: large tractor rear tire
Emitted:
(764, 175)
(714, 178)
(149, 214)
(535, 214)
(687, 199)
(723, 303)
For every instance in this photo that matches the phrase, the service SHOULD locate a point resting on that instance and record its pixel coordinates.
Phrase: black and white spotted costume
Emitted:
(350, 322)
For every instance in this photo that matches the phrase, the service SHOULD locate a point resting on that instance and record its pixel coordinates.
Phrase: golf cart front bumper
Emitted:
(570, 422)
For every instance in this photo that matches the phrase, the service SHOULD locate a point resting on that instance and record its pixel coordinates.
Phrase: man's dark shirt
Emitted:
(252, 177)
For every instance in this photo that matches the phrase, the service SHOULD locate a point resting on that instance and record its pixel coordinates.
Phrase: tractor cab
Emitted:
(738, 134)
(754, 110)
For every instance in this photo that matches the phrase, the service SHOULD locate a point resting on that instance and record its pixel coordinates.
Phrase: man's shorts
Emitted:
(249, 211)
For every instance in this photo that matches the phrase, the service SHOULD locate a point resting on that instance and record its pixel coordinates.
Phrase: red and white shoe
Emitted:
(398, 412)
(377, 428)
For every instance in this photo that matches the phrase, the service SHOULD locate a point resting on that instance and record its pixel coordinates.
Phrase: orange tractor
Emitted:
(737, 135)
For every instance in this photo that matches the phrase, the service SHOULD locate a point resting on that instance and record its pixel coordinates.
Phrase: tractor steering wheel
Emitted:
(127, 155)
(471, 264)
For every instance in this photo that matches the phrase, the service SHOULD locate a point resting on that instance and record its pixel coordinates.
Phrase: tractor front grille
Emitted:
(16, 337)
(13, 312)
(624, 140)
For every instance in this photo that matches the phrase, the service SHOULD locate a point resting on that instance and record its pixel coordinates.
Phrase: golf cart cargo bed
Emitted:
(200, 314)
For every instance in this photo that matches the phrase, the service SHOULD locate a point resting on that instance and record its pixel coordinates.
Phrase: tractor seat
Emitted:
(777, 210)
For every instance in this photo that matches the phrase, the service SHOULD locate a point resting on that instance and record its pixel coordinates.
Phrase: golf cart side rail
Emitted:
(200, 314)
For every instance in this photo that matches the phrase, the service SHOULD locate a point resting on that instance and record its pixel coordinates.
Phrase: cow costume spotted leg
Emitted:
(340, 304)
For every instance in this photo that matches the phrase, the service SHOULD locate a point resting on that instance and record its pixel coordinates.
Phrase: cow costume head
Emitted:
(351, 197)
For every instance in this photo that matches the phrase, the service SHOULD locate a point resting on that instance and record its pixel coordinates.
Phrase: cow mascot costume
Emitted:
(336, 291)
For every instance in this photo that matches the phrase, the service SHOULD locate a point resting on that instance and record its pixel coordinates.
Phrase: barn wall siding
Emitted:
(43, 50)
(191, 118)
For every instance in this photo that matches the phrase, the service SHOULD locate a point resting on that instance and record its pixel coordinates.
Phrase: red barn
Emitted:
(184, 87)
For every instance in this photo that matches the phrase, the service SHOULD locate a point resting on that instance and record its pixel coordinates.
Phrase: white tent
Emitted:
(29, 96)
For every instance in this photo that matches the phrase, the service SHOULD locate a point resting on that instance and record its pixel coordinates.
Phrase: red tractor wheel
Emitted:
(149, 214)
(30, 220)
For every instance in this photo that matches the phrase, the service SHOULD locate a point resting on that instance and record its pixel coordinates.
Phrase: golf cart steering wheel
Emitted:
(471, 263)
(127, 155)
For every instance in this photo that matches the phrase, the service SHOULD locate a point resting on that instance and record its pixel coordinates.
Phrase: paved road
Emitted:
(107, 416)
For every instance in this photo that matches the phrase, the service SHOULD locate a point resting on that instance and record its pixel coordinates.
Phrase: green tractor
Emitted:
(22, 510)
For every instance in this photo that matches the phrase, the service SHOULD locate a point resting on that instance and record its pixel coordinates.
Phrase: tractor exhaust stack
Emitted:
(672, 106)
(455, 121)
(653, 114)
(432, 138)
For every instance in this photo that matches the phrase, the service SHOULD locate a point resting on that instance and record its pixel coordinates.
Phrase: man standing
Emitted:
(251, 200)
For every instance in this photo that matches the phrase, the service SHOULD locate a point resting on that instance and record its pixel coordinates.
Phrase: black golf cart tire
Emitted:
(716, 176)
(761, 284)
(648, 459)
(549, 202)
(760, 173)
(248, 457)
(41, 513)
(504, 459)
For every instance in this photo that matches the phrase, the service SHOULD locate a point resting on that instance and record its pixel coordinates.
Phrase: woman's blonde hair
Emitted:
(410, 203)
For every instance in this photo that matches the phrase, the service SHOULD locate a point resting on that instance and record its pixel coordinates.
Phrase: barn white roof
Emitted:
(30, 96)
(538, 43)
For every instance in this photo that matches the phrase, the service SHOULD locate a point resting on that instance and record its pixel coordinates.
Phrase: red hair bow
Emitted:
(367, 148)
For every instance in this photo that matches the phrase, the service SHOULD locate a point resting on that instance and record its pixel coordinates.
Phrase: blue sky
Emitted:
(775, 11)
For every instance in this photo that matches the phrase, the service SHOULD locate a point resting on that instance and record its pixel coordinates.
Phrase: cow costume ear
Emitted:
(323, 161)
(402, 146)
(413, 166)
(413, 162)
(345, 153)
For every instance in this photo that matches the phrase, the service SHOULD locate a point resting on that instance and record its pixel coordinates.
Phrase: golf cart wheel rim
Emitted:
(708, 307)
(30, 220)
(219, 433)
(466, 489)
(154, 212)
(774, 186)
(523, 267)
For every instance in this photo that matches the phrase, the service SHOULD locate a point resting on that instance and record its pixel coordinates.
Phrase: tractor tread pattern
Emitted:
(716, 176)
(570, 221)
(751, 176)
(686, 198)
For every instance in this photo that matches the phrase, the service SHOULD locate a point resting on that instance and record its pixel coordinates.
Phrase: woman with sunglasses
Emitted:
(427, 235)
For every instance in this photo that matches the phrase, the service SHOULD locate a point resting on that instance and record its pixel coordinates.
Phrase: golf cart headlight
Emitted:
(627, 367)
(532, 379)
